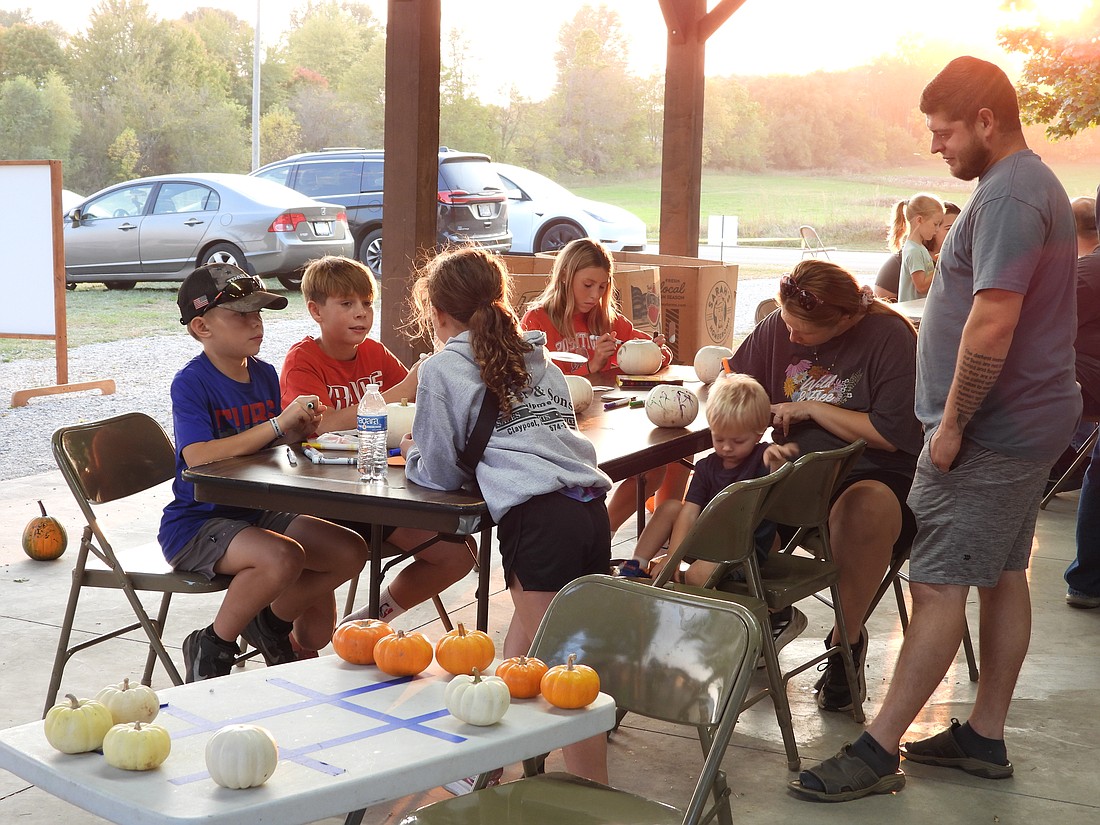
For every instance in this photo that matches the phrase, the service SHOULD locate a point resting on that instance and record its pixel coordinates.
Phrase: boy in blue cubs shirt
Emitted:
(225, 403)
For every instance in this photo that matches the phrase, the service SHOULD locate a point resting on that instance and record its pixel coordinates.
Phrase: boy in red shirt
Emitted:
(336, 367)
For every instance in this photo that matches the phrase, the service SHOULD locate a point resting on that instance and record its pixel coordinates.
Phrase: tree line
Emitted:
(132, 95)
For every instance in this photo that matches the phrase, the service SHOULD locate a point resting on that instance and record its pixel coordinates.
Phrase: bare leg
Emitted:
(675, 484)
(658, 530)
(588, 758)
(863, 525)
(1005, 634)
(530, 606)
(624, 500)
(433, 569)
(931, 642)
(263, 565)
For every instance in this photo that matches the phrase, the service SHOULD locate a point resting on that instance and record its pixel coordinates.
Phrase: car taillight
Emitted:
(453, 196)
(286, 222)
(342, 216)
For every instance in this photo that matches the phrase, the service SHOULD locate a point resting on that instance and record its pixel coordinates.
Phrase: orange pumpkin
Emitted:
(44, 539)
(460, 651)
(354, 641)
(403, 654)
(523, 676)
(570, 685)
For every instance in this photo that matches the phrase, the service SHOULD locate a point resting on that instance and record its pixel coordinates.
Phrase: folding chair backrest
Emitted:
(103, 461)
(673, 656)
(804, 497)
(724, 531)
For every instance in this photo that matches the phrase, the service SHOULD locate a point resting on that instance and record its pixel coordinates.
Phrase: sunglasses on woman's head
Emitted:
(788, 290)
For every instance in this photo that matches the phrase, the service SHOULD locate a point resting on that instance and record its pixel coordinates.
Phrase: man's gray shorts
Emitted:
(976, 521)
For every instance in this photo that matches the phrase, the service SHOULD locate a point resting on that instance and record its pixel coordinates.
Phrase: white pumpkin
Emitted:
(130, 703)
(136, 747)
(77, 725)
(580, 391)
(400, 421)
(639, 356)
(477, 699)
(708, 362)
(668, 405)
(241, 756)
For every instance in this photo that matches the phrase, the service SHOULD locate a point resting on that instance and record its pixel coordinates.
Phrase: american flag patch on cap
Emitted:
(200, 302)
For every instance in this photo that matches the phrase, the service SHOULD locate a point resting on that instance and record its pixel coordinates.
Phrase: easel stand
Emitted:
(39, 263)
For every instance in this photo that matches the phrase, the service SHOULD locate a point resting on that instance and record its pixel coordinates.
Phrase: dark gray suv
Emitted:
(473, 207)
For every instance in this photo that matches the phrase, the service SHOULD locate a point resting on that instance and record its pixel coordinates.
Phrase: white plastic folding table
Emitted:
(349, 737)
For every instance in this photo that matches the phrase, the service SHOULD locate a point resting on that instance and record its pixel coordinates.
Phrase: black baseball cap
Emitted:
(223, 285)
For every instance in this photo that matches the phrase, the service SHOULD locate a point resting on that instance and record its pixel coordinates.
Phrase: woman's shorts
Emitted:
(898, 484)
(549, 540)
(212, 540)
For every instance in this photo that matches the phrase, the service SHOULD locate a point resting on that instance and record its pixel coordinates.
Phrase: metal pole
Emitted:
(256, 92)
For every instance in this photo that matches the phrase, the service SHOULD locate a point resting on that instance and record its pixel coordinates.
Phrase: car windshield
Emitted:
(469, 175)
(535, 185)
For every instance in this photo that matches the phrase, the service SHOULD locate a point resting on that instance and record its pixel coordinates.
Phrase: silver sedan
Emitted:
(160, 228)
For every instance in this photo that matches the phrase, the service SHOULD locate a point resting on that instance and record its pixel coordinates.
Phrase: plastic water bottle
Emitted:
(371, 427)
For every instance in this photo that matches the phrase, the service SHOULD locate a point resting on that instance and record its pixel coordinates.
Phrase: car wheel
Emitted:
(224, 253)
(70, 285)
(370, 251)
(120, 284)
(557, 235)
(292, 282)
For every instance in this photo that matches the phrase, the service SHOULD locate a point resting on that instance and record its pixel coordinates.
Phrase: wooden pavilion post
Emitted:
(412, 157)
(689, 26)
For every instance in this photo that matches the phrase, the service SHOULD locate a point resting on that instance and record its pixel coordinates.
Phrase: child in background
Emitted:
(889, 274)
(538, 474)
(225, 403)
(336, 367)
(578, 314)
(917, 220)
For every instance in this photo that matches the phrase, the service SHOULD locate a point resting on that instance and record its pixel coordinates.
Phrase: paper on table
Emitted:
(337, 440)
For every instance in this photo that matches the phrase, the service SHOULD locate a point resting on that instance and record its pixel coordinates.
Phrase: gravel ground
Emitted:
(142, 369)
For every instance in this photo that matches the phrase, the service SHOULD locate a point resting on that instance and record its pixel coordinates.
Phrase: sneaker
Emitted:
(207, 658)
(465, 786)
(832, 688)
(1075, 598)
(275, 647)
(786, 625)
(632, 569)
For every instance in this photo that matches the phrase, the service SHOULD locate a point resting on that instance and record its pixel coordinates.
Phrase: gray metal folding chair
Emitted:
(812, 246)
(102, 462)
(676, 657)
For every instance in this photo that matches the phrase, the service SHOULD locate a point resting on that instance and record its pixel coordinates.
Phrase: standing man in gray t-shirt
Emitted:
(997, 397)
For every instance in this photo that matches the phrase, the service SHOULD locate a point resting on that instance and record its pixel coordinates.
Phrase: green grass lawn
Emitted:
(850, 211)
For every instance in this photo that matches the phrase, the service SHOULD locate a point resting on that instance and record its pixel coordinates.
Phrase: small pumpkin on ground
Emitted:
(460, 651)
(130, 703)
(44, 538)
(570, 685)
(136, 747)
(476, 699)
(241, 756)
(523, 675)
(77, 725)
(403, 654)
(354, 641)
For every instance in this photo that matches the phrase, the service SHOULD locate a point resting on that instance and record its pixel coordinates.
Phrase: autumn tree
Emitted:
(1060, 82)
(31, 51)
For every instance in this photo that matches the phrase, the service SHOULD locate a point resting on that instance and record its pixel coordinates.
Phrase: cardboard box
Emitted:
(641, 283)
(698, 299)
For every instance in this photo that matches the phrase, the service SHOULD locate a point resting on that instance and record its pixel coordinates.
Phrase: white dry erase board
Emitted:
(32, 268)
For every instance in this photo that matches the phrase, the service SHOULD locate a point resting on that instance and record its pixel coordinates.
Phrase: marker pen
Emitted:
(614, 405)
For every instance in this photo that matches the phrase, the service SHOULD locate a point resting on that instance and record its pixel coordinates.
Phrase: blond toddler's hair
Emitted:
(738, 401)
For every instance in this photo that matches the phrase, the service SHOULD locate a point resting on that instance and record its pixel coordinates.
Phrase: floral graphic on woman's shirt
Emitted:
(807, 381)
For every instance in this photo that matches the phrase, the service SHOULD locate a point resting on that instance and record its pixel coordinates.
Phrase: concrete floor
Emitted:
(1052, 737)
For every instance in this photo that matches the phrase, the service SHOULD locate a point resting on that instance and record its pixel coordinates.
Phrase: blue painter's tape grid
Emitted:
(313, 698)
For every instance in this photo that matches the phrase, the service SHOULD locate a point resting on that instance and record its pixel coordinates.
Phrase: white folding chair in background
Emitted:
(812, 246)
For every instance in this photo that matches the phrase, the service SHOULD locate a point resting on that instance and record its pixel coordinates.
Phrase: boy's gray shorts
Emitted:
(976, 521)
(212, 541)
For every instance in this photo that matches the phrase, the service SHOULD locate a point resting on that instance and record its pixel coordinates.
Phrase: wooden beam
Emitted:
(412, 158)
(714, 19)
(673, 22)
(681, 164)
